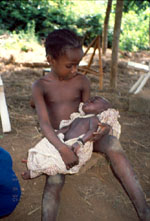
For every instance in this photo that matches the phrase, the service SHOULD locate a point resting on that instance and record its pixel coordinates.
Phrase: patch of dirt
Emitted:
(96, 194)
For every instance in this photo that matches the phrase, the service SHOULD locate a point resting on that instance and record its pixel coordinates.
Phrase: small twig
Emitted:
(33, 211)
(139, 144)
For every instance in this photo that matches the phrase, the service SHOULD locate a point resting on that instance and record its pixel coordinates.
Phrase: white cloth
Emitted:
(110, 117)
(44, 157)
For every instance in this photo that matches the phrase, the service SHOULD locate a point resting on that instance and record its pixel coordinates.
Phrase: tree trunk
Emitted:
(115, 44)
(105, 28)
(149, 31)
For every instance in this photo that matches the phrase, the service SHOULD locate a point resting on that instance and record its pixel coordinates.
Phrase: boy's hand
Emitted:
(69, 157)
(102, 130)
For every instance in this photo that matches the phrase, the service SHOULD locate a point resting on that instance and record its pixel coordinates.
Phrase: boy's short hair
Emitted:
(59, 40)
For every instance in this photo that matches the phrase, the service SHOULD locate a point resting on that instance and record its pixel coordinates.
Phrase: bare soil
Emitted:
(96, 194)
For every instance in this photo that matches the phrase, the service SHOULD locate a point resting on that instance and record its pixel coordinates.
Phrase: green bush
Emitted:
(16, 15)
(28, 18)
(134, 31)
(90, 26)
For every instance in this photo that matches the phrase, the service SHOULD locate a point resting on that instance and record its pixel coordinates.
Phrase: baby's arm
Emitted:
(63, 130)
(93, 125)
(103, 129)
(96, 128)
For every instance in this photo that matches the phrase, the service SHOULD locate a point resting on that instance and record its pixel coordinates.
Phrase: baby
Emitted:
(95, 115)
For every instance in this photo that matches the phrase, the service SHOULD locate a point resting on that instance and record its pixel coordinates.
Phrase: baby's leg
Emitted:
(51, 197)
(122, 168)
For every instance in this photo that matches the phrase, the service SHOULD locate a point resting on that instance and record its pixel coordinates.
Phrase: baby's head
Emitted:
(58, 41)
(96, 105)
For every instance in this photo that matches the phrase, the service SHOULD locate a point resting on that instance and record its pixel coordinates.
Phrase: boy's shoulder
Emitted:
(43, 79)
(81, 77)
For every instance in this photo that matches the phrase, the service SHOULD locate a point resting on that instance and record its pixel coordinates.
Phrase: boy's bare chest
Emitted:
(62, 92)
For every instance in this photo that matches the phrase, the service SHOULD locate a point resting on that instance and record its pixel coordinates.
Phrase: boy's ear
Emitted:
(50, 59)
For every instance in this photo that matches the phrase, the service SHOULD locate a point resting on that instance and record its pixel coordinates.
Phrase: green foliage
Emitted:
(134, 34)
(136, 6)
(27, 18)
(47, 15)
(89, 27)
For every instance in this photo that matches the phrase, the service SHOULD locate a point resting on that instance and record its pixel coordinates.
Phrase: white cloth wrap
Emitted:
(44, 158)
(110, 117)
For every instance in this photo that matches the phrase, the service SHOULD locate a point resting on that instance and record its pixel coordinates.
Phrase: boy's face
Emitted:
(65, 66)
(94, 106)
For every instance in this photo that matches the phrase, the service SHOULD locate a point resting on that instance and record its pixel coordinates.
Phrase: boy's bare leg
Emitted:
(25, 175)
(110, 146)
(51, 197)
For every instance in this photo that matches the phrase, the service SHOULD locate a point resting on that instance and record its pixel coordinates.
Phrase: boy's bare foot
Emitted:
(26, 175)
(24, 161)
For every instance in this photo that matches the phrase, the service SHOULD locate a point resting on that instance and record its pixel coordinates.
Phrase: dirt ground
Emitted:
(96, 194)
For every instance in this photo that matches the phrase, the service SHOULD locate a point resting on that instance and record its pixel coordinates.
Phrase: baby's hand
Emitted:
(75, 147)
(103, 129)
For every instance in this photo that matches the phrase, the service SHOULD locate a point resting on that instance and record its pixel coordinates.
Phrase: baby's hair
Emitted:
(59, 40)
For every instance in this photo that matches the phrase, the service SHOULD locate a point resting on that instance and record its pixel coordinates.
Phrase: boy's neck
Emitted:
(55, 75)
(60, 78)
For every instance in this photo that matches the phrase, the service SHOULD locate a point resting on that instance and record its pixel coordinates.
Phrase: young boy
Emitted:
(56, 96)
(76, 132)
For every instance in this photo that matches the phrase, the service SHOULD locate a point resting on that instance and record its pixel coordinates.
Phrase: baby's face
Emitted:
(95, 105)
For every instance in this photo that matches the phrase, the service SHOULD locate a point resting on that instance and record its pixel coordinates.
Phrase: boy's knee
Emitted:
(53, 188)
(114, 144)
(56, 180)
(108, 143)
